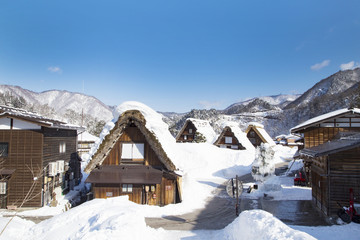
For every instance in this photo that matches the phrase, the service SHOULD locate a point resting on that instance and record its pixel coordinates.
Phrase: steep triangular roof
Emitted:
(202, 126)
(259, 129)
(325, 117)
(151, 126)
(240, 135)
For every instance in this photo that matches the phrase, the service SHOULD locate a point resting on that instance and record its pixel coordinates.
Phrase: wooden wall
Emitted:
(332, 180)
(316, 136)
(132, 134)
(25, 153)
(190, 137)
(254, 138)
(229, 133)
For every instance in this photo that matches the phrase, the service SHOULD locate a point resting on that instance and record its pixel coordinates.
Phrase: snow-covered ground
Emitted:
(203, 167)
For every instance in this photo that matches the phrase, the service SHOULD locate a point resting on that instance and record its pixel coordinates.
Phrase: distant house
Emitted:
(331, 156)
(232, 137)
(335, 169)
(290, 140)
(196, 130)
(131, 161)
(256, 134)
(38, 158)
(85, 142)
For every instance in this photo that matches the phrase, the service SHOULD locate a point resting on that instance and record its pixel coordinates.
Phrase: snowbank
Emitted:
(258, 224)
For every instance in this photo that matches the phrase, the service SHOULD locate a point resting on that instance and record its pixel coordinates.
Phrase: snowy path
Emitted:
(217, 214)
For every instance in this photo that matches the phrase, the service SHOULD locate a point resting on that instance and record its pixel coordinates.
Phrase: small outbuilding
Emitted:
(131, 161)
(232, 137)
(196, 130)
(257, 134)
(335, 168)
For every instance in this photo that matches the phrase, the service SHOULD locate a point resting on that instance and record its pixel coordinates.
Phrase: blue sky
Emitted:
(176, 55)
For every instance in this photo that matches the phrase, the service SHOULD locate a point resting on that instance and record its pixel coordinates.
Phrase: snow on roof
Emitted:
(240, 135)
(324, 117)
(34, 117)
(259, 128)
(266, 136)
(87, 137)
(255, 124)
(154, 124)
(204, 127)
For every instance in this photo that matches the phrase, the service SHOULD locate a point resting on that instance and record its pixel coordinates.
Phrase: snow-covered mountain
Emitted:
(261, 104)
(335, 84)
(61, 101)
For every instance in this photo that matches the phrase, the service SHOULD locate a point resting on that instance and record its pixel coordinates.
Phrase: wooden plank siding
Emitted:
(316, 136)
(254, 138)
(190, 137)
(332, 176)
(25, 153)
(132, 135)
(165, 193)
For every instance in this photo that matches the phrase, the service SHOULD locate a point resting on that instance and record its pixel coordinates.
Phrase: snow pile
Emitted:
(258, 224)
(16, 229)
(112, 218)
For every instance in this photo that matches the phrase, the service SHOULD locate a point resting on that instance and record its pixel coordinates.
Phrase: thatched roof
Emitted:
(129, 117)
(260, 130)
(240, 135)
(202, 126)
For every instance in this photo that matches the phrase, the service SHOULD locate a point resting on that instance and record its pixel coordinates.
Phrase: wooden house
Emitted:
(131, 161)
(232, 137)
(335, 169)
(256, 134)
(38, 158)
(289, 140)
(85, 142)
(196, 130)
(321, 135)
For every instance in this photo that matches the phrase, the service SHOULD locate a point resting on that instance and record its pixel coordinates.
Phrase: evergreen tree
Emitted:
(263, 166)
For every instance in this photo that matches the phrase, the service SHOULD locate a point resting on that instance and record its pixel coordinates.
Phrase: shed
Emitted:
(335, 169)
(85, 142)
(196, 130)
(131, 161)
(256, 133)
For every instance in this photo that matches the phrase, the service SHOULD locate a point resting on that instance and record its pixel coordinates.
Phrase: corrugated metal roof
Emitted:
(343, 141)
(131, 174)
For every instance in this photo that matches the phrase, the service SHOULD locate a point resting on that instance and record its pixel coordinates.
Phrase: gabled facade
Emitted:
(232, 137)
(256, 134)
(335, 168)
(85, 142)
(38, 158)
(196, 130)
(131, 161)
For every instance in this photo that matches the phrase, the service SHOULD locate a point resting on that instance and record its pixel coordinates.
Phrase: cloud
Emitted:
(321, 65)
(349, 65)
(55, 70)
(208, 105)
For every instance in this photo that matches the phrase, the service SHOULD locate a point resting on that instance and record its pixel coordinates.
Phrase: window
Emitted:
(52, 170)
(234, 147)
(4, 147)
(2, 187)
(185, 137)
(127, 188)
(62, 147)
(190, 130)
(132, 151)
(60, 166)
(228, 140)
